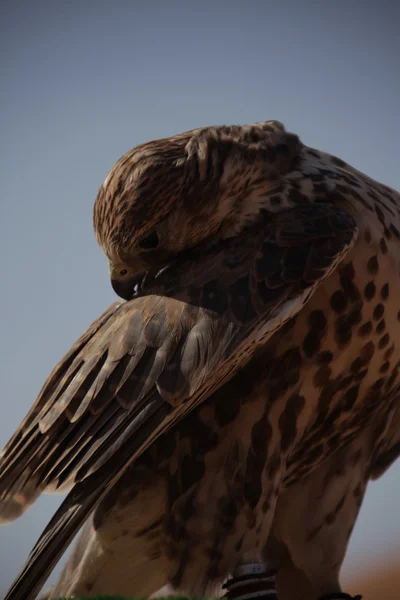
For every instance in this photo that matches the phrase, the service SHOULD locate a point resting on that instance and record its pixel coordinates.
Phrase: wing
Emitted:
(144, 364)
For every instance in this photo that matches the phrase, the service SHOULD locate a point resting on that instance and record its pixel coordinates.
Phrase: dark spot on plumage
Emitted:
(325, 399)
(227, 407)
(359, 198)
(290, 360)
(351, 180)
(322, 376)
(188, 508)
(338, 162)
(239, 544)
(356, 457)
(338, 301)
(350, 397)
(228, 511)
(383, 246)
(373, 265)
(324, 357)
(380, 328)
(311, 343)
(333, 442)
(365, 329)
(395, 231)
(367, 351)
(331, 517)
(385, 291)
(378, 311)
(342, 383)
(369, 290)
(358, 491)
(154, 554)
(150, 528)
(251, 520)
(387, 233)
(313, 456)
(389, 352)
(347, 274)
(360, 376)
(385, 367)
(343, 331)
(373, 195)
(392, 378)
(273, 464)
(265, 506)
(367, 236)
(288, 420)
(379, 213)
(383, 342)
(313, 533)
(378, 383)
(355, 316)
(176, 579)
(356, 365)
(285, 369)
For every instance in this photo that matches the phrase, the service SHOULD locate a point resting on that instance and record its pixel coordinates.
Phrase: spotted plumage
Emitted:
(236, 405)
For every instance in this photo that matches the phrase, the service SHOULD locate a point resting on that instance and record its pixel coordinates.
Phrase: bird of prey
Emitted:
(233, 407)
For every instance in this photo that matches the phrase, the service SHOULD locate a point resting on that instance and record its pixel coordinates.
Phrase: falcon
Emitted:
(232, 408)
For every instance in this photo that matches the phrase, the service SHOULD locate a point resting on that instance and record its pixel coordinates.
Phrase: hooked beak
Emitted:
(127, 278)
(125, 288)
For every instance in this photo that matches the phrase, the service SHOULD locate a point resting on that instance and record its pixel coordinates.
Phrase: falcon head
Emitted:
(170, 195)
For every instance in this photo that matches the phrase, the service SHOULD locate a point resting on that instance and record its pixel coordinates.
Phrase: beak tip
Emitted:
(124, 288)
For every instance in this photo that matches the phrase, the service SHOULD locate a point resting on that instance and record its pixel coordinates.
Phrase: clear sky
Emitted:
(84, 81)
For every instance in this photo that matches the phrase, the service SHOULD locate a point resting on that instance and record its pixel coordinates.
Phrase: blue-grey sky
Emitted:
(84, 81)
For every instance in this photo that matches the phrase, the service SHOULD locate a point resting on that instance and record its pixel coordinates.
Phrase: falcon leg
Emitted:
(313, 523)
(117, 551)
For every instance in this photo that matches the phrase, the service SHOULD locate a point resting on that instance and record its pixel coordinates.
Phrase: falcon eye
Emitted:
(149, 242)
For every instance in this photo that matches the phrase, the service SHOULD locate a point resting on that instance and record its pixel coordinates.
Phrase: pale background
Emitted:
(84, 81)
